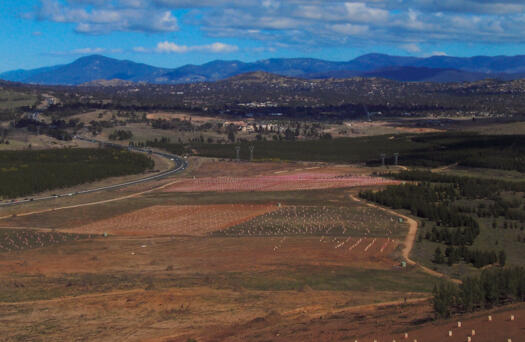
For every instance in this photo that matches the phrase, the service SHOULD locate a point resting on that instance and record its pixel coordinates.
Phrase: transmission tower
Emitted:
(383, 156)
(251, 152)
(369, 117)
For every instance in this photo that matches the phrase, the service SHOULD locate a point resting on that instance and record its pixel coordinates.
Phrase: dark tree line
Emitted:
(26, 172)
(476, 257)
(120, 135)
(425, 200)
(494, 286)
(455, 237)
(57, 129)
(469, 187)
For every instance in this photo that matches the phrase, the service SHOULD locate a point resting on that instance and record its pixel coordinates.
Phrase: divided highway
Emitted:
(180, 165)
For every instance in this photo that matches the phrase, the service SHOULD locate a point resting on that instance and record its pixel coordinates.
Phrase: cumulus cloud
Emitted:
(171, 47)
(411, 47)
(102, 17)
(303, 22)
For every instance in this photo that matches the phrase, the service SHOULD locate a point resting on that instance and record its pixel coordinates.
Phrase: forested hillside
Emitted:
(26, 172)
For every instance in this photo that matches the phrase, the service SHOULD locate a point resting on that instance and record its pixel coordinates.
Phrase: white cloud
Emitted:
(302, 23)
(87, 51)
(170, 47)
(103, 17)
(360, 12)
(350, 29)
(411, 47)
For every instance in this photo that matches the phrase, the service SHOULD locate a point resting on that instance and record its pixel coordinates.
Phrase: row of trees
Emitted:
(120, 135)
(494, 286)
(476, 257)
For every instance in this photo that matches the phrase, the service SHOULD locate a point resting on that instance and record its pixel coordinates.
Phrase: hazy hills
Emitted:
(413, 69)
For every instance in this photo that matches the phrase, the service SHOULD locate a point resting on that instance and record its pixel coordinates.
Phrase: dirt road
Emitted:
(408, 244)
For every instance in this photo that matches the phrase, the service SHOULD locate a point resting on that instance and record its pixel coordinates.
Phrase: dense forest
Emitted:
(494, 286)
(26, 172)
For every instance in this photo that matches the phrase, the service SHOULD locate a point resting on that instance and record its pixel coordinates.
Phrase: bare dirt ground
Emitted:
(181, 116)
(140, 289)
(229, 176)
(208, 167)
(177, 220)
(187, 254)
(375, 323)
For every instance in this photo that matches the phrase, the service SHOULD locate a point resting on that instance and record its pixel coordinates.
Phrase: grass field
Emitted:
(20, 239)
(10, 100)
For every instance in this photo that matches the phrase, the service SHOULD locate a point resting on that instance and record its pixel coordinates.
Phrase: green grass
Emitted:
(489, 239)
(322, 278)
(505, 175)
(21, 239)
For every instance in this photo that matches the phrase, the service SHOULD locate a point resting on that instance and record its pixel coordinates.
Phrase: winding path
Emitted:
(408, 244)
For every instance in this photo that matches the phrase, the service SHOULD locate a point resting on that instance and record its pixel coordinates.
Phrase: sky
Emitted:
(171, 33)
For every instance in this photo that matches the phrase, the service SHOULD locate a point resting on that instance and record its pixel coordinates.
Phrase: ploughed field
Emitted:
(297, 181)
(177, 220)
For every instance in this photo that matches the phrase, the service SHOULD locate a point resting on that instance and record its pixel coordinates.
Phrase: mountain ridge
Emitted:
(400, 68)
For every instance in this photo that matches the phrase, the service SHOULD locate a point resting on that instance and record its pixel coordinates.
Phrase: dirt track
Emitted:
(409, 240)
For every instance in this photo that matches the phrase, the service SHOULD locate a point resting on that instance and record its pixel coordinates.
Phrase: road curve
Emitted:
(408, 244)
(180, 165)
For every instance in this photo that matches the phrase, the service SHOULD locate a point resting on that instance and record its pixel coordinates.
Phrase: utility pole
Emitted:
(238, 153)
(383, 156)
(396, 158)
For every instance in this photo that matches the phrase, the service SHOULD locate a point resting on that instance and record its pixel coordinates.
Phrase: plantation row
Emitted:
(492, 287)
(16, 239)
(319, 221)
(26, 172)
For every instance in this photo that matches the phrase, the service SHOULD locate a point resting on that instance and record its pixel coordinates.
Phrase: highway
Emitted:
(180, 165)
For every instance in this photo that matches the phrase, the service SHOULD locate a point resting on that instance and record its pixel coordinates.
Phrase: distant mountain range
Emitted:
(410, 69)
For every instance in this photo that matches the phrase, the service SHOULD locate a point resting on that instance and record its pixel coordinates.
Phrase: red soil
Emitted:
(176, 220)
(297, 181)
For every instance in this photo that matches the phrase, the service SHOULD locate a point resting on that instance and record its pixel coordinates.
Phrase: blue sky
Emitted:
(172, 33)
